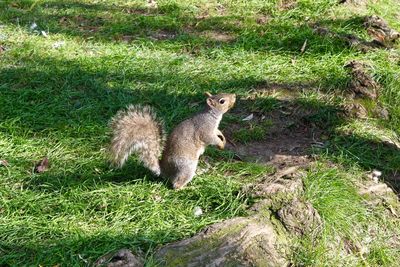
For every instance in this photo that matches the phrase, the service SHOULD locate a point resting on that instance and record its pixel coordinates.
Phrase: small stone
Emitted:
(197, 211)
(33, 26)
(376, 173)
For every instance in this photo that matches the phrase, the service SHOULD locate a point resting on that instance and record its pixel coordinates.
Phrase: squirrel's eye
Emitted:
(222, 101)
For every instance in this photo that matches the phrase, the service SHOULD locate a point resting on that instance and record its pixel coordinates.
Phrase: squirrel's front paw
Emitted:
(222, 144)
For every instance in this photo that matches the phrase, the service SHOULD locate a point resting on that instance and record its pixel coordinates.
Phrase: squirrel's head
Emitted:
(221, 102)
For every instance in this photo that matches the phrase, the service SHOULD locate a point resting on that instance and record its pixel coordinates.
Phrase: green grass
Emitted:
(353, 234)
(57, 94)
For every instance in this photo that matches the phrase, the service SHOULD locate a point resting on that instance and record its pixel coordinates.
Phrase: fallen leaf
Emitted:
(248, 118)
(303, 48)
(42, 166)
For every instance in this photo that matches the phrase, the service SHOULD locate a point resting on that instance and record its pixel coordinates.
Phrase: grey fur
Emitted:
(137, 130)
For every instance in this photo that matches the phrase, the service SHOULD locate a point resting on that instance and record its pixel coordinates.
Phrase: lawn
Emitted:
(66, 67)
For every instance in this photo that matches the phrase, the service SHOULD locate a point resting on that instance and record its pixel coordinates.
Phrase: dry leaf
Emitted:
(3, 162)
(248, 118)
(42, 166)
(303, 48)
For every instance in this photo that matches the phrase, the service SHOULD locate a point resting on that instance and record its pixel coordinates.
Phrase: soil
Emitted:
(362, 83)
(163, 35)
(121, 258)
(289, 140)
(218, 36)
(380, 30)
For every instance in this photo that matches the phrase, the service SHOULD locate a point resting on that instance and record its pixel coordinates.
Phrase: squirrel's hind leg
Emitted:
(185, 173)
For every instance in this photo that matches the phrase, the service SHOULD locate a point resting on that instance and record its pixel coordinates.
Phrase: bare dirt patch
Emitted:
(382, 35)
(163, 35)
(289, 137)
(362, 87)
(262, 20)
(362, 83)
(218, 36)
(379, 29)
(287, 4)
(122, 257)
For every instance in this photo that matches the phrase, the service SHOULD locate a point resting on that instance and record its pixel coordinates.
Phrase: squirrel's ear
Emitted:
(208, 94)
(210, 102)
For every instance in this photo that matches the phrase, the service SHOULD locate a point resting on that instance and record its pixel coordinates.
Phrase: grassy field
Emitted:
(66, 67)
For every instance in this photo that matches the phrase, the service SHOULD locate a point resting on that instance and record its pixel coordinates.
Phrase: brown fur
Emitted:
(136, 130)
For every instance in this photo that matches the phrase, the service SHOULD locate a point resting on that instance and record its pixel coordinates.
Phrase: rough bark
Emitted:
(248, 241)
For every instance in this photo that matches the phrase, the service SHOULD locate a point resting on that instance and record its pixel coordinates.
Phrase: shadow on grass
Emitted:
(79, 251)
(84, 100)
(295, 124)
(171, 24)
(370, 155)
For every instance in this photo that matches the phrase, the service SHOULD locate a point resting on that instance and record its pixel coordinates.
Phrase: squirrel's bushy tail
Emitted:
(137, 130)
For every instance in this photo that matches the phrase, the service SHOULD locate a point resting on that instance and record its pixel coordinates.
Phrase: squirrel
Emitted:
(138, 130)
